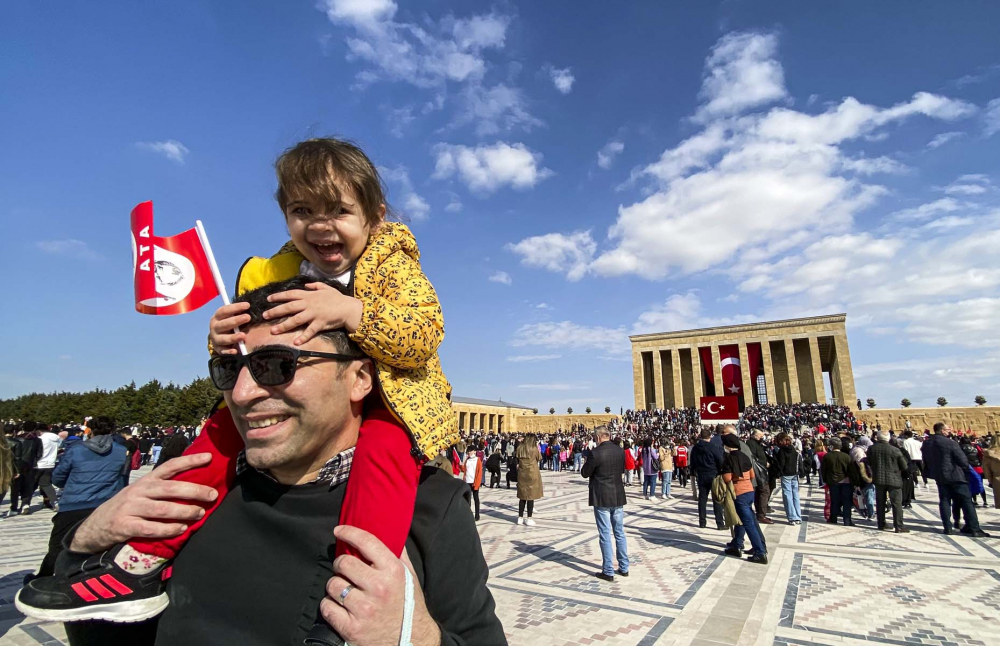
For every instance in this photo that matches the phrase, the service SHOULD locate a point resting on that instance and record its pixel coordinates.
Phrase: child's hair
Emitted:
(312, 168)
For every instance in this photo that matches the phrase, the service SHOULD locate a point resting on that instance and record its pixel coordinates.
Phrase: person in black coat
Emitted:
(947, 464)
(889, 467)
(706, 464)
(493, 466)
(607, 496)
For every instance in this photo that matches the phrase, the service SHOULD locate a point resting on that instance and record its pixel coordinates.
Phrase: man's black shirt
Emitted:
(256, 571)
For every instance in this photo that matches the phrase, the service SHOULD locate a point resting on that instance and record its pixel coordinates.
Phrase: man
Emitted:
(145, 446)
(607, 496)
(89, 473)
(947, 465)
(256, 569)
(46, 464)
(835, 472)
(912, 447)
(706, 464)
(25, 452)
(888, 465)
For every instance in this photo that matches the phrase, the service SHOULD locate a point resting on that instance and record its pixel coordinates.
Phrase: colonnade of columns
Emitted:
(472, 421)
(801, 355)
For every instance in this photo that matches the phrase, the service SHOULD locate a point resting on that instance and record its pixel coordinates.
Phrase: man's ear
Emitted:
(363, 380)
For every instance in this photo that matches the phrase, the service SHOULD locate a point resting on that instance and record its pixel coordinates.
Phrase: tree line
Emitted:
(152, 404)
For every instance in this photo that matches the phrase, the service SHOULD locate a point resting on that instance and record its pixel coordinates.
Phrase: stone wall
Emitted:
(543, 423)
(980, 419)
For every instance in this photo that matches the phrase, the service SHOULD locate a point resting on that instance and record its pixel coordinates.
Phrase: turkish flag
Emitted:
(720, 408)
(732, 376)
(171, 275)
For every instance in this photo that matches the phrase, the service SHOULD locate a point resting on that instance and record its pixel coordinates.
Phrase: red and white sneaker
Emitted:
(97, 589)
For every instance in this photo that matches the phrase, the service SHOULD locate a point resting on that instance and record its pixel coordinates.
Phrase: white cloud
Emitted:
(928, 210)
(606, 156)
(983, 74)
(486, 168)
(454, 206)
(992, 118)
(873, 166)
(500, 108)
(367, 13)
(936, 290)
(741, 72)
(481, 32)
(501, 277)
(68, 248)
(172, 149)
(399, 119)
(956, 377)
(563, 79)
(557, 252)
(543, 306)
(969, 185)
(555, 386)
(413, 205)
(531, 358)
(425, 56)
(753, 186)
(679, 312)
(569, 335)
(970, 322)
(943, 138)
(682, 312)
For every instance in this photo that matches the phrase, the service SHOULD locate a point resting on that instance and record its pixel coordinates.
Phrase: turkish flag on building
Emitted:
(720, 409)
(732, 376)
(171, 275)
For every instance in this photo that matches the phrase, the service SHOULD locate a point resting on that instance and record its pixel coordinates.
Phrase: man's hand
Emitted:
(222, 328)
(372, 612)
(143, 509)
(318, 307)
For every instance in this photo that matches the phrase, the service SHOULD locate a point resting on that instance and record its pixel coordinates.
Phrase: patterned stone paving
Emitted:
(826, 585)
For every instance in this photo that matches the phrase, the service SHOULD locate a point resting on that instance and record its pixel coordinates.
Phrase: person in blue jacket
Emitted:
(89, 473)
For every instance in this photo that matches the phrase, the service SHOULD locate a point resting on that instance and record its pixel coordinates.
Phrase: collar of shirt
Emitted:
(335, 471)
(306, 268)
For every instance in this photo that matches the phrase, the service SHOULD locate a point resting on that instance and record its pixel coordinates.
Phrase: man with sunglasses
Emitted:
(260, 564)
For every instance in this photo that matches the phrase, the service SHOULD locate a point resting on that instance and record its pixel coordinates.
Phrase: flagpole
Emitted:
(216, 274)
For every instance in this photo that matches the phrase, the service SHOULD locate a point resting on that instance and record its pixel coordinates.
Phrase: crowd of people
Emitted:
(30, 452)
(866, 472)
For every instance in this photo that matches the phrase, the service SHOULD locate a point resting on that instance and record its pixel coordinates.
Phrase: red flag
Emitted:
(720, 409)
(732, 377)
(172, 275)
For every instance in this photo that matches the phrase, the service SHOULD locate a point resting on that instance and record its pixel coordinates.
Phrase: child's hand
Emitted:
(318, 307)
(221, 329)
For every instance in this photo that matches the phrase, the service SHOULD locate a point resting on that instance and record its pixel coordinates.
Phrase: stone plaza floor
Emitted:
(825, 585)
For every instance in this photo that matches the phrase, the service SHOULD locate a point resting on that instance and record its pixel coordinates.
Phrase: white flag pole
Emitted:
(216, 274)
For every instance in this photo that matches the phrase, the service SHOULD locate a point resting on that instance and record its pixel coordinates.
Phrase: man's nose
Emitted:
(246, 390)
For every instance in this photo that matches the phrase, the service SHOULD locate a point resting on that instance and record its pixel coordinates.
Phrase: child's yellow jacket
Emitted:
(401, 329)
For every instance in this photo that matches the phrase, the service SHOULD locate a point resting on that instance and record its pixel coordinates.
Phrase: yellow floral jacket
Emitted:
(401, 328)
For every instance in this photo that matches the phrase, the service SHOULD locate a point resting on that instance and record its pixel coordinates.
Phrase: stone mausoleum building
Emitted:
(487, 415)
(798, 360)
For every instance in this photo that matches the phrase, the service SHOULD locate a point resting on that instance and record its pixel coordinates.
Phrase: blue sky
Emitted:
(574, 172)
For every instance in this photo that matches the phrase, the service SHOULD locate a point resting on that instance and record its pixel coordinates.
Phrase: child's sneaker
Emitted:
(98, 589)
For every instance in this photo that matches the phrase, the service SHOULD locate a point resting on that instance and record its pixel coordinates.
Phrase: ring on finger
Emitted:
(342, 597)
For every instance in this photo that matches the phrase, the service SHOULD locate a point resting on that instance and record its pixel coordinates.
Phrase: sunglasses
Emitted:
(272, 366)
